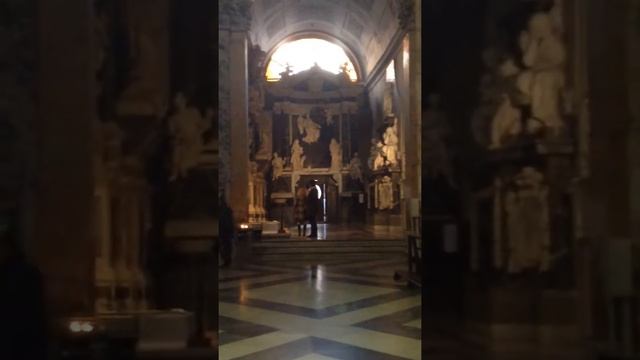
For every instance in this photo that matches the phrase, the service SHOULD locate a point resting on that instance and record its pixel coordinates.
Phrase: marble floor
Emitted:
(351, 232)
(305, 311)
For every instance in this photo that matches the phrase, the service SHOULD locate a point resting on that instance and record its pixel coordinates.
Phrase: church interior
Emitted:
(320, 179)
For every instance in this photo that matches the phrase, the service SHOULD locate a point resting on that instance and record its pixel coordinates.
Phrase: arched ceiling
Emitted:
(366, 27)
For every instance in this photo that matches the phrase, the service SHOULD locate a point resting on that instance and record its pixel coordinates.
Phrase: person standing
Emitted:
(227, 230)
(300, 210)
(312, 205)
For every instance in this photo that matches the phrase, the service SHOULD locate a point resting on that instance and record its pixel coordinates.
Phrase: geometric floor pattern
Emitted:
(302, 311)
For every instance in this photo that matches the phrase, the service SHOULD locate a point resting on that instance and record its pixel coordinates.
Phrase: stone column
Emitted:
(411, 128)
(64, 246)
(233, 28)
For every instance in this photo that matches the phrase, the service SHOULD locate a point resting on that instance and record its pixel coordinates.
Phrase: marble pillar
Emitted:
(238, 194)
(64, 249)
(234, 24)
(411, 126)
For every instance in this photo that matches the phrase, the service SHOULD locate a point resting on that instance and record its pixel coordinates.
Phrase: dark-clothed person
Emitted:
(226, 231)
(300, 211)
(312, 207)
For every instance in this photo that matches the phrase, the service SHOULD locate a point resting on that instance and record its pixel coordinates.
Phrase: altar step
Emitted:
(305, 249)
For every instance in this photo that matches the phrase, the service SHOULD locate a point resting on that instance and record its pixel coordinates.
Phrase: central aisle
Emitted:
(305, 310)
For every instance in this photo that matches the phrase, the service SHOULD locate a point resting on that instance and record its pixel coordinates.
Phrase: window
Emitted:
(391, 72)
(303, 54)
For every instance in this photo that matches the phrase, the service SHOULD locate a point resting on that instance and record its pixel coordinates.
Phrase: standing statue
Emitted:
(376, 155)
(355, 168)
(391, 141)
(278, 166)
(506, 122)
(186, 127)
(336, 155)
(297, 156)
(528, 230)
(543, 81)
(309, 129)
(385, 194)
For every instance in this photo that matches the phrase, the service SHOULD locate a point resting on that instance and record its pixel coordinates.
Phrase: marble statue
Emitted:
(297, 156)
(506, 122)
(390, 147)
(543, 80)
(309, 129)
(435, 132)
(186, 127)
(385, 193)
(278, 166)
(355, 168)
(377, 158)
(528, 230)
(336, 155)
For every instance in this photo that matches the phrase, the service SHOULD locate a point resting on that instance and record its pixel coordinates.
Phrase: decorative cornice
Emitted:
(379, 70)
(406, 13)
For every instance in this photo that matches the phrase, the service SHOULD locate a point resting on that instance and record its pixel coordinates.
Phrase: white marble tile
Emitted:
(326, 329)
(315, 357)
(415, 323)
(249, 346)
(316, 293)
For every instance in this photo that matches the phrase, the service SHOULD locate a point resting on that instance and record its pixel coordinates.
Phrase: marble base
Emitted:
(523, 319)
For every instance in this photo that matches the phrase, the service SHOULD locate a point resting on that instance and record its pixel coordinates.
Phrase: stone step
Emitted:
(323, 243)
(321, 257)
(330, 250)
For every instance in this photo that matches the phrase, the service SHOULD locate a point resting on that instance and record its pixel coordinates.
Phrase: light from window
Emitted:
(303, 54)
(391, 72)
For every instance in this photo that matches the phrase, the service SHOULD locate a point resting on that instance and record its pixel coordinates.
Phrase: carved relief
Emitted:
(527, 226)
(385, 194)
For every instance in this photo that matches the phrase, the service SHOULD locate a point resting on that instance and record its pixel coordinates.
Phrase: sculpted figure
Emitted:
(297, 156)
(507, 121)
(336, 155)
(355, 168)
(376, 155)
(186, 127)
(309, 129)
(543, 80)
(278, 166)
(390, 147)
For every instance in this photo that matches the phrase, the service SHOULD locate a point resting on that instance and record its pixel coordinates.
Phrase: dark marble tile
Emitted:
(316, 313)
(394, 323)
(235, 330)
(313, 345)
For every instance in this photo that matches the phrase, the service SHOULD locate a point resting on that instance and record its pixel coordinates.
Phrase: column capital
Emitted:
(235, 15)
(406, 14)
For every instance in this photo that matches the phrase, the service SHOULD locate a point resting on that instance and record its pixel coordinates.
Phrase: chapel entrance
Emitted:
(329, 202)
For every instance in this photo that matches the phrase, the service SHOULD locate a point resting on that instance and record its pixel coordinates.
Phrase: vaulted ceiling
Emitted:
(366, 27)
